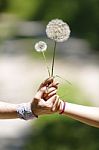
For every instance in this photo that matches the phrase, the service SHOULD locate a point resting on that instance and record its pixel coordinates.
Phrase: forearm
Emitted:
(8, 111)
(85, 114)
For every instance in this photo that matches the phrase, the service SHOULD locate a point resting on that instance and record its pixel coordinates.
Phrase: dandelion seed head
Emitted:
(58, 30)
(40, 46)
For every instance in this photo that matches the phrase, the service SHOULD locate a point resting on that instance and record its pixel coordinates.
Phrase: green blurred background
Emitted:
(22, 23)
(82, 15)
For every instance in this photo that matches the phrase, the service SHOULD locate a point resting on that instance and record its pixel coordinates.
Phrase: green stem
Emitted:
(63, 79)
(46, 63)
(53, 61)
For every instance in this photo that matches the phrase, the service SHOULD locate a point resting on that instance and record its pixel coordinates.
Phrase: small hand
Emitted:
(59, 104)
(51, 88)
(40, 106)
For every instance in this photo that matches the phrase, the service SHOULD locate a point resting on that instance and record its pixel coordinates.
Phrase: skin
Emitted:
(47, 102)
(86, 114)
(41, 104)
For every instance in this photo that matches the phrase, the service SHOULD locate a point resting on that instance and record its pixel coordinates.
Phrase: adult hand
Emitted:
(51, 88)
(40, 107)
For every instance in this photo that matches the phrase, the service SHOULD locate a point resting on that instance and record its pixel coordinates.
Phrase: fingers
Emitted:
(54, 84)
(50, 95)
(47, 82)
(40, 93)
(56, 104)
(51, 100)
(45, 94)
(49, 92)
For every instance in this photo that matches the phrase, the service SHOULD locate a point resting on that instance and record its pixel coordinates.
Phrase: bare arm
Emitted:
(8, 111)
(41, 103)
(85, 114)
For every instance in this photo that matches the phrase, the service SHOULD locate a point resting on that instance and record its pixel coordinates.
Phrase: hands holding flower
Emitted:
(46, 101)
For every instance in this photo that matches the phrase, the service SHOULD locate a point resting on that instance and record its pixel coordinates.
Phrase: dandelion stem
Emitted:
(46, 63)
(63, 79)
(53, 59)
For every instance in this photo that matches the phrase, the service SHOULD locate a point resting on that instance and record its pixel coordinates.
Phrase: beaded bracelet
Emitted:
(24, 111)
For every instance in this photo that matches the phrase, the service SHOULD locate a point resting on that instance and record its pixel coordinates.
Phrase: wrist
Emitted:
(34, 110)
(25, 112)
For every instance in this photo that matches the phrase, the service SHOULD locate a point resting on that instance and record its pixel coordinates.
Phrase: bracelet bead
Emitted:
(24, 111)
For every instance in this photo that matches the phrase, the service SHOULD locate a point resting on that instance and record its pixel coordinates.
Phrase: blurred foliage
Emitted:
(72, 93)
(63, 134)
(82, 15)
(56, 132)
